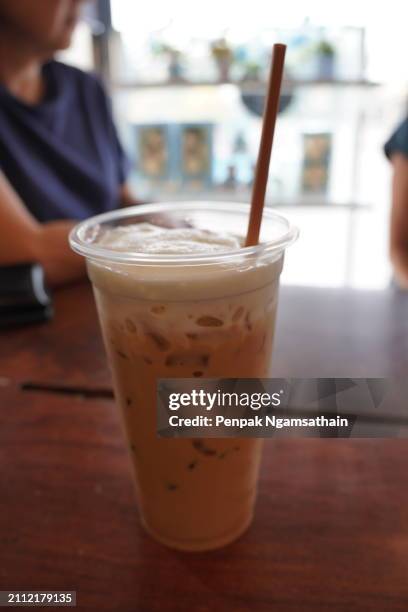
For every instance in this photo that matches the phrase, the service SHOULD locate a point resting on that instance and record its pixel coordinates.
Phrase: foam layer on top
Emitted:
(152, 239)
(181, 280)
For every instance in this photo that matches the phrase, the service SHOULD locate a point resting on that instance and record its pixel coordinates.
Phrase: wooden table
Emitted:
(330, 532)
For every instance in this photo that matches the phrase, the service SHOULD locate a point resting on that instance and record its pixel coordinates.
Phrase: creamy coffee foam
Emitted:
(152, 239)
(184, 280)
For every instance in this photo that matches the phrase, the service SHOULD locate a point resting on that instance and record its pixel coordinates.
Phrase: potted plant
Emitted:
(173, 56)
(325, 55)
(223, 56)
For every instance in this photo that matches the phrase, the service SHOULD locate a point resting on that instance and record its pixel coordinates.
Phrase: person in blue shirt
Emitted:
(60, 157)
(396, 150)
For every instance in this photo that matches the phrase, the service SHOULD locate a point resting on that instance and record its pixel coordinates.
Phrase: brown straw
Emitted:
(265, 147)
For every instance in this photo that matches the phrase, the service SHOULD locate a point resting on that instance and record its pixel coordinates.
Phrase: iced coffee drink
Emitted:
(184, 303)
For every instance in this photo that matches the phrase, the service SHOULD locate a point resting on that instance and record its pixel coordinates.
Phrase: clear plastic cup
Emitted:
(183, 316)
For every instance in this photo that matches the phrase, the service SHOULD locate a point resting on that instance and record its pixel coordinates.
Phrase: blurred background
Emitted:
(188, 82)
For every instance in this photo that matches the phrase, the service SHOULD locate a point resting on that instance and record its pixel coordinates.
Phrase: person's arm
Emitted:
(399, 219)
(24, 239)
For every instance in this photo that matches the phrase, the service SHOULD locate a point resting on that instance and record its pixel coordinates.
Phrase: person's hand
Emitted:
(61, 265)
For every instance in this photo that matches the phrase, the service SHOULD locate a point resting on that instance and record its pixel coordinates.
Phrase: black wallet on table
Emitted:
(24, 297)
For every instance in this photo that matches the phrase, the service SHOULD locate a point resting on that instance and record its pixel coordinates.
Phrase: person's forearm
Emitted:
(18, 246)
(399, 260)
(399, 220)
(24, 239)
(47, 245)
(19, 230)
(60, 263)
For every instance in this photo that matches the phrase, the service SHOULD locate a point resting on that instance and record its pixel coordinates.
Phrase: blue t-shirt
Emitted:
(398, 143)
(62, 156)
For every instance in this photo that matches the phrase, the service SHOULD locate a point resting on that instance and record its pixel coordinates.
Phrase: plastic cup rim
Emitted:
(94, 252)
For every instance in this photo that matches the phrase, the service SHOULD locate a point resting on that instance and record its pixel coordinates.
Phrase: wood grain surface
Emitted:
(331, 525)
